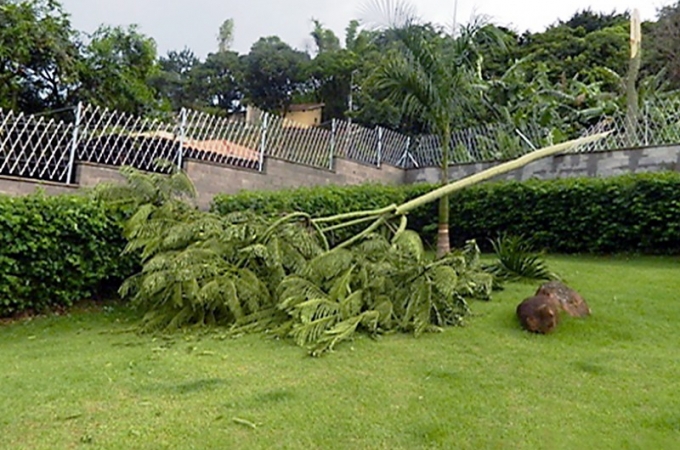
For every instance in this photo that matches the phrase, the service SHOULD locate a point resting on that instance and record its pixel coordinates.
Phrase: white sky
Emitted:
(175, 24)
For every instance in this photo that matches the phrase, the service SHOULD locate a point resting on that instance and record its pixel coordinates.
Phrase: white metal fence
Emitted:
(47, 149)
(35, 147)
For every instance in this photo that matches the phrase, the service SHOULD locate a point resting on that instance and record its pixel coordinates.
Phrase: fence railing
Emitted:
(35, 147)
(47, 149)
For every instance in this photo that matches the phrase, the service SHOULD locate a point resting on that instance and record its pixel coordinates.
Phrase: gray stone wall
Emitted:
(89, 174)
(212, 179)
(597, 164)
(24, 186)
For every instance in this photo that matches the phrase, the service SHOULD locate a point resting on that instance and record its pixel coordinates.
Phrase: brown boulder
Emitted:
(539, 314)
(570, 300)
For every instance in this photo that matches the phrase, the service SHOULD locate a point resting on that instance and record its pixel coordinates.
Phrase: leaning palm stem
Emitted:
(384, 215)
(374, 226)
(356, 214)
(350, 223)
(494, 171)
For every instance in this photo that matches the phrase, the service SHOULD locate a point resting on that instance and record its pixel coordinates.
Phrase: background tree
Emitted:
(217, 83)
(174, 80)
(225, 36)
(274, 73)
(324, 38)
(432, 76)
(330, 73)
(569, 51)
(118, 70)
(39, 56)
(661, 50)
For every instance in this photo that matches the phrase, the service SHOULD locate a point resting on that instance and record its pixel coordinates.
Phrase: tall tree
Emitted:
(225, 36)
(324, 38)
(579, 46)
(174, 78)
(39, 56)
(274, 73)
(119, 68)
(591, 21)
(329, 74)
(217, 82)
(432, 76)
(663, 50)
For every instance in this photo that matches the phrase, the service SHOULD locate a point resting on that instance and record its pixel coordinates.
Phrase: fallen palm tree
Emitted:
(249, 273)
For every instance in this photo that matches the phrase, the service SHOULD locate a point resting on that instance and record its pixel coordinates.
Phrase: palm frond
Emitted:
(410, 245)
(311, 331)
(445, 280)
(295, 289)
(386, 14)
(329, 265)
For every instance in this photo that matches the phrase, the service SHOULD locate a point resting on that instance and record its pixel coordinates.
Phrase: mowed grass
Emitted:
(608, 381)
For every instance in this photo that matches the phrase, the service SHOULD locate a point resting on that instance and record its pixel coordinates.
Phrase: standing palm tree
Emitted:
(434, 76)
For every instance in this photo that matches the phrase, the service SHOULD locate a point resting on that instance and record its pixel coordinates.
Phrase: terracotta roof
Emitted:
(223, 147)
(220, 146)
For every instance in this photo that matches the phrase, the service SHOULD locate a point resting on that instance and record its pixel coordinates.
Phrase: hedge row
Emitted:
(629, 213)
(57, 250)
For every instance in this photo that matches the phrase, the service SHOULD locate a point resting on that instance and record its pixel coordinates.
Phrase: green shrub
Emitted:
(629, 213)
(57, 250)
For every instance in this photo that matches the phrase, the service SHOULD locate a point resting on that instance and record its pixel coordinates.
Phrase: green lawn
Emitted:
(609, 381)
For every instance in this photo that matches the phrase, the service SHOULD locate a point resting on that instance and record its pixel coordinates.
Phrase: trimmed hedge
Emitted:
(629, 213)
(57, 250)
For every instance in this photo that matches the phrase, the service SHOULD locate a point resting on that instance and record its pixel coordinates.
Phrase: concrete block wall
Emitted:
(597, 164)
(24, 186)
(212, 179)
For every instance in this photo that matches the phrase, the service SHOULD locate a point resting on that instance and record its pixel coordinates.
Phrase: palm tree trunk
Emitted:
(502, 168)
(381, 215)
(443, 241)
(631, 80)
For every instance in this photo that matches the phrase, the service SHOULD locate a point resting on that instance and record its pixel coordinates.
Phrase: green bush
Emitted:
(629, 213)
(58, 250)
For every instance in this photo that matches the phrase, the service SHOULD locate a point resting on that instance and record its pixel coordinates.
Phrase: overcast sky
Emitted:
(176, 24)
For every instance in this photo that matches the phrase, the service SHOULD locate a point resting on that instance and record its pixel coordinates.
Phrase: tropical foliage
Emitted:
(252, 273)
(570, 73)
(516, 261)
(280, 274)
(432, 76)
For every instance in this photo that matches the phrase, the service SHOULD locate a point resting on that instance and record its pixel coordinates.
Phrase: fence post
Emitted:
(407, 152)
(330, 157)
(74, 144)
(646, 117)
(348, 141)
(404, 156)
(380, 136)
(263, 140)
(182, 135)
